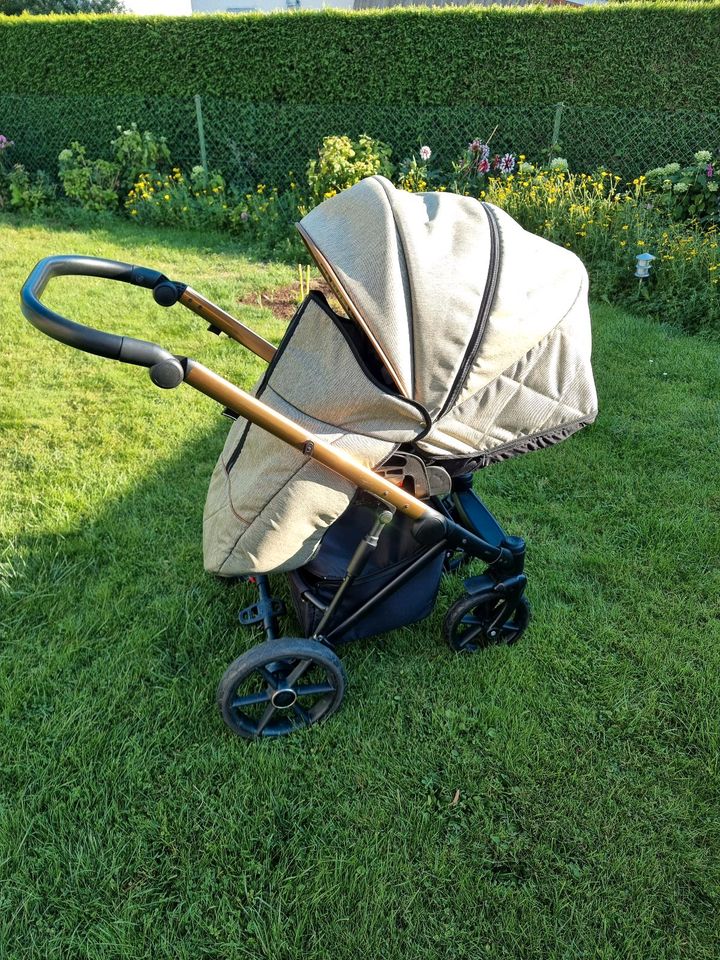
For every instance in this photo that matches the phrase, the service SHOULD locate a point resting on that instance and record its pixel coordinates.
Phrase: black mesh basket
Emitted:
(395, 551)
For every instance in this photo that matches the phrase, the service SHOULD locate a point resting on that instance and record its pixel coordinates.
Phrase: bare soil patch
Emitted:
(284, 301)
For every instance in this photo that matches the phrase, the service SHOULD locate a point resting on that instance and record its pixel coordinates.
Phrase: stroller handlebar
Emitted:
(110, 345)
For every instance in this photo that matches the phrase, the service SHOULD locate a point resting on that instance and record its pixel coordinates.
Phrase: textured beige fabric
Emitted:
(268, 511)
(540, 395)
(415, 265)
(524, 380)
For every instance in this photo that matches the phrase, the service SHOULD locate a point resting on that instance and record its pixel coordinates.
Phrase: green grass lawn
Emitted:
(133, 825)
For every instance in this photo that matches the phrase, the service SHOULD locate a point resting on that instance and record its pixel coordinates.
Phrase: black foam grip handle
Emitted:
(111, 345)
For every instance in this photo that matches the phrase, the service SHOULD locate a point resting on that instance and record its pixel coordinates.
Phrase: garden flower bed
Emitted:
(672, 212)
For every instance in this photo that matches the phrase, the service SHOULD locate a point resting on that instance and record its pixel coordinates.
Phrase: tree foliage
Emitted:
(41, 7)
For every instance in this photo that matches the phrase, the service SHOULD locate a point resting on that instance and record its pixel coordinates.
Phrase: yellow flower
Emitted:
(166, 197)
(133, 213)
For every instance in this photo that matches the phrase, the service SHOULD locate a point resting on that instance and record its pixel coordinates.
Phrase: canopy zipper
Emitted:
(486, 305)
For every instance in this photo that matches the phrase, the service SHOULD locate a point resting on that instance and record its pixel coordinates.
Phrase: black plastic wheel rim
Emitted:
(278, 697)
(488, 621)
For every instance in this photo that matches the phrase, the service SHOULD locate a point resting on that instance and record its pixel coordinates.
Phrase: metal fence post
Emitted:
(559, 107)
(201, 132)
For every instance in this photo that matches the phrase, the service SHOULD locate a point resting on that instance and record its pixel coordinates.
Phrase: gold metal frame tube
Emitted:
(245, 405)
(227, 323)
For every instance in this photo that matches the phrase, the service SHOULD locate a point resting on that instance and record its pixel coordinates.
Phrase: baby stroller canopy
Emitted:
(450, 291)
(468, 339)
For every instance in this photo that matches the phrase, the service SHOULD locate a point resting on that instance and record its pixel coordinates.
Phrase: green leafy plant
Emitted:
(5, 145)
(608, 223)
(197, 201)
(265, 219)
(414, 174)
(477, 165)
(94, 184)
(691, 192)
(342, 162)
(139, 152)
(29, 192)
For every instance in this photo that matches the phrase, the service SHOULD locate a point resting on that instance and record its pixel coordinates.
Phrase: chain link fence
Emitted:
(264, 142)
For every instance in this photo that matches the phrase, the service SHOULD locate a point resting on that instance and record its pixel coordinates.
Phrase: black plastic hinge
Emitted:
(213, 329)
(230, 414)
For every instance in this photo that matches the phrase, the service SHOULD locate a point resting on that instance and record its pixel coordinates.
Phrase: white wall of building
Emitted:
(164, 8)
(266, 6)
(183, 8)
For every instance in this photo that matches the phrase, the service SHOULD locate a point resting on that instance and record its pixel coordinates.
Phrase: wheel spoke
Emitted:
(265, 718)
(469, 635)
(302, 713)
(297, 671)
(268, 677)
(249, 699)
(472, 621)
(312, 689)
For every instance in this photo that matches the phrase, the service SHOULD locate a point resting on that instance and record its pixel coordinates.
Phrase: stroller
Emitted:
(464, 340)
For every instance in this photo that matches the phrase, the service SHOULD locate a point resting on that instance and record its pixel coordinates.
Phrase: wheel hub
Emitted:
(283, 698)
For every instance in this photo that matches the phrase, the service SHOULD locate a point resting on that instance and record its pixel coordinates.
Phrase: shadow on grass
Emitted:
(116, 230)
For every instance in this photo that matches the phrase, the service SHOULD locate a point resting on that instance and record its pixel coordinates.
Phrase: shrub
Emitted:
(5, 145)
(342, 162)
(691, 192)
(604, 56)
(414, 175)
(197, 201)
(607, 225)
(29, 192)
(139, 153)
(266, 218)
(93, 184)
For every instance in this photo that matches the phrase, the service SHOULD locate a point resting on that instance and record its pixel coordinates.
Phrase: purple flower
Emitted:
(507, 163)
(710, 171)
(483, 166)
(477, 146)
(5, 143)
(425, 153)
(244, 216)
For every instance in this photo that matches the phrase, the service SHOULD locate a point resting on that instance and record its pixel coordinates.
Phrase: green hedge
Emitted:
(656, 56)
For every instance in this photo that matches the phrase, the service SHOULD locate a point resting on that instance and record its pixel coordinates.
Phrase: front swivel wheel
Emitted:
(281, 686)
(485, 619)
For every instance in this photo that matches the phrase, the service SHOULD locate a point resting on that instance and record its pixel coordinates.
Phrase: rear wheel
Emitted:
(281, 686)
(484, 620)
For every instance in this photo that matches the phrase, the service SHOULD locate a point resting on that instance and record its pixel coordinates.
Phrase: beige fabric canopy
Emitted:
(482, 327)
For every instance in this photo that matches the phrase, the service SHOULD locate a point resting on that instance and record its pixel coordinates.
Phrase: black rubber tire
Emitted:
(275, 661)
(478, 607)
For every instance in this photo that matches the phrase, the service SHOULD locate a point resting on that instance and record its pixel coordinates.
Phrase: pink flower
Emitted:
(710, 171)
(5, 143)
(483, 166)
(477, 146)
(425, 153)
